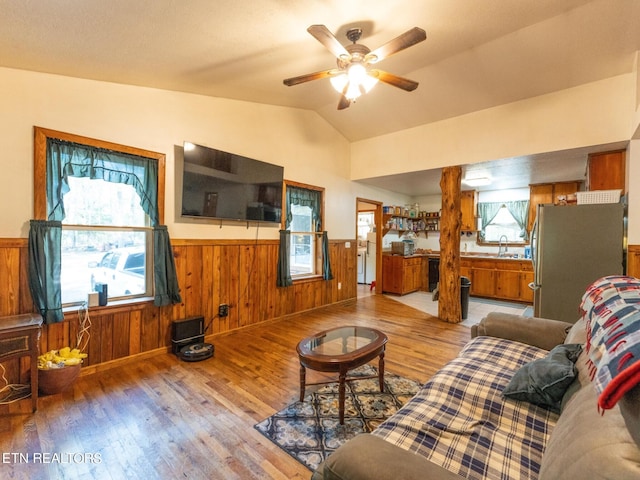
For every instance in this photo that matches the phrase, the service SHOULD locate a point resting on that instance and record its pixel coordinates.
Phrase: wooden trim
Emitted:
(40, 165)
(13, 242)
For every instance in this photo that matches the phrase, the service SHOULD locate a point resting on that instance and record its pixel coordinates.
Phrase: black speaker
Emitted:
(186, 332)
(103, 293)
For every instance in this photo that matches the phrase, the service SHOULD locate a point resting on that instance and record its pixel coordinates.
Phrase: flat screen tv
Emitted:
(223, 185)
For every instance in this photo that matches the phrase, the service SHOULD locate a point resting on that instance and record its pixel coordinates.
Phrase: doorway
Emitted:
(369, 245)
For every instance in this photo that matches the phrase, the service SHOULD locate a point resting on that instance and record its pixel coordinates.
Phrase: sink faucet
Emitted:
(501, 253)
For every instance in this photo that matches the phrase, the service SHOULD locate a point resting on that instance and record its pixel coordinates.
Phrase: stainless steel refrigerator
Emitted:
(572, 246)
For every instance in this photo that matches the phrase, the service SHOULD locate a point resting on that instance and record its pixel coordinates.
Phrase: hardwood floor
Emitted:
(165, 418)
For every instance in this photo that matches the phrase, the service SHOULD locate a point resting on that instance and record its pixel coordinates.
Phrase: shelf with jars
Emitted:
(424, 222)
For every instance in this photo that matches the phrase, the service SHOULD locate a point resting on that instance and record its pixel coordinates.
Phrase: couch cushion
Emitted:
(544, 381)
(368, 456)
(577, 333)
(588, 444)
(460, 421)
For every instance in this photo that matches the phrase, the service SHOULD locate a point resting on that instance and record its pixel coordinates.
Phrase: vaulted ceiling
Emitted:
(478, 54)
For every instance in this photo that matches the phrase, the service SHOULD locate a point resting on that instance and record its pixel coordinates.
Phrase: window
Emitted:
(502, 221)
(98, 208)
(105, 239)
(304, 204)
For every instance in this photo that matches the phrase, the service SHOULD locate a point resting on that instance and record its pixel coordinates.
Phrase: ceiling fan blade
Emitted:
(308, 77)
(395, 80)
(406, 40)
(344, 102)
(326, 38)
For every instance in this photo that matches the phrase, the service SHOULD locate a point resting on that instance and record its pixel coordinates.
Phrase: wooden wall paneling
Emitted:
(149, 332)
(56, 336)
(165, 317)
(193, 281)
(93, 352)
(249, 290)
(121, 334)
(269, 265)
(206, 288)
(240, 273)
(10, 281)
(106, 338)
(216, 273)
(26, 302)
(233, 279)
(135, 322)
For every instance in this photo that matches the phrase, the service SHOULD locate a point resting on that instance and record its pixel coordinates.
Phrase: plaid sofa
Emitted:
(460, 421)
(460, 426)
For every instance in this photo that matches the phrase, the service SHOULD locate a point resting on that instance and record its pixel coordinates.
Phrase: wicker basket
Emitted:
(598, 196)
(56, 380)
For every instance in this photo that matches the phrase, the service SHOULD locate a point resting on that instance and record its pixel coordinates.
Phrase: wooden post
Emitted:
(449, 308)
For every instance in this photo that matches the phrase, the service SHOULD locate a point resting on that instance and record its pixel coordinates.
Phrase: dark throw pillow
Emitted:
(544, 381)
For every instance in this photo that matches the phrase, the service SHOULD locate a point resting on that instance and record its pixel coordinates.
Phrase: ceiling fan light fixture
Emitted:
(357, 78)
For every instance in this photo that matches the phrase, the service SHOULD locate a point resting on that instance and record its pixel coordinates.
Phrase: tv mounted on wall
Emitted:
(223, 185)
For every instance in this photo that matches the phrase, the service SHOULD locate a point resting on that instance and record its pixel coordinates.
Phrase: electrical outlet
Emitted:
(223, 310)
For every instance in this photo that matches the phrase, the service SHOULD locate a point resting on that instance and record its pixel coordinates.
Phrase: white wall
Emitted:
(592, 114)
(310, 150)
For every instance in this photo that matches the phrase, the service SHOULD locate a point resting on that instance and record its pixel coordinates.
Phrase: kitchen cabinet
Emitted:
(633, 261)
(401, 275)
(468, 200)
(483, 278)
(504, 279)
(606, 171)
(548, 193)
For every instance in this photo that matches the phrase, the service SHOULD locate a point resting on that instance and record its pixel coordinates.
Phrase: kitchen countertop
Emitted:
(478, 255)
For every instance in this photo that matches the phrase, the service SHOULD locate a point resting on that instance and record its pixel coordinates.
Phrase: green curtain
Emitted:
(326, 264)
(305, 198)
(69, 159)
(167, 290)
(284, 272)
(45, 258)
(519, 209)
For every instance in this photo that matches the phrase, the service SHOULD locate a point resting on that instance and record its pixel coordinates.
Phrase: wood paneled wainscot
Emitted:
(402, 275)
(500, 278)
(240, 273)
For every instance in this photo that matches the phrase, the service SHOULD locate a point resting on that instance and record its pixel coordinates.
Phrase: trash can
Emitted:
(465, 287)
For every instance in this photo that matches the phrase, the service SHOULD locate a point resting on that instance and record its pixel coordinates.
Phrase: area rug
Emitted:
(310, 431)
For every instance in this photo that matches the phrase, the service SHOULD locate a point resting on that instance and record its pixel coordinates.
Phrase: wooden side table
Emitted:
(19, 337)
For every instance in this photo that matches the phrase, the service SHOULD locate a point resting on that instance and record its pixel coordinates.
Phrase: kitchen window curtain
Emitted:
(45, 259)
(519, 210)
(68, 159)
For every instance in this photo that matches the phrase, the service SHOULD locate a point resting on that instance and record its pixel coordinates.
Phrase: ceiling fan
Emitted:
(354, 75)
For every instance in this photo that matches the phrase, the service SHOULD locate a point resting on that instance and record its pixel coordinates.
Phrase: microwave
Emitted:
(402, 248)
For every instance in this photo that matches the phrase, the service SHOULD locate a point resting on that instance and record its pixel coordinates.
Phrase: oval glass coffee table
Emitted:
(340, 350)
